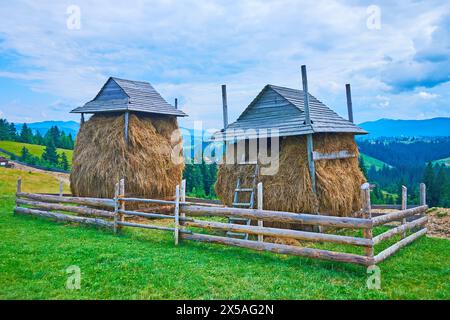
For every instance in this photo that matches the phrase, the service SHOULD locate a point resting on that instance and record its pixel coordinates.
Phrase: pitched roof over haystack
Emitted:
(283, 109)
(120, 95)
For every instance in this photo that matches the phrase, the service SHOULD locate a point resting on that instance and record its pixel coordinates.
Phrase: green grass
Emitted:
(138, 264)
(36, 150)
(370, 161)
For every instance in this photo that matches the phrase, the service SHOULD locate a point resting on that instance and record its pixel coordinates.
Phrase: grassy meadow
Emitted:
(35, 150)
(139, 264)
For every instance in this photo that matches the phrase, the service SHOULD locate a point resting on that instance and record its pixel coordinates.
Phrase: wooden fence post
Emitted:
(19, 185)
(176, 214)
(120, 216)
(260, 207)
(18, 190)
(116, 206)
(423, 194)
(61, 185)
(367, 214)
(404, 206)
(183, 198)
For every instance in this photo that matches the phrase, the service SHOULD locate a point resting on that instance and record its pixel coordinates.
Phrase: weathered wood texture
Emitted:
(404, 205)
(260, 207)
(176, 232)
(394, 248)
(278, 216)
(423, 194)
(64, 217)
(60, 207)
(401, 229)
(367, 214)
(377, 221)
(95, 202)
(282, 233)
(283, 249)
(344, 154)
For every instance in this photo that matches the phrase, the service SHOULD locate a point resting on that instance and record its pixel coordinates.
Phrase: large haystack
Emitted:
(338, 180)
(102, 157)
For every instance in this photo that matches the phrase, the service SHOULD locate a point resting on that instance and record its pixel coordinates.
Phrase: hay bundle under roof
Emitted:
(101, 156)
(338, 181)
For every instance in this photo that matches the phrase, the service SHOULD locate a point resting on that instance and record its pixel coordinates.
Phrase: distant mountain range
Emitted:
(71, 127)
(379, 128)
(436, 127)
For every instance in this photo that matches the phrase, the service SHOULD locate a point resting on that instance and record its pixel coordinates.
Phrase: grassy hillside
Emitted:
(36, 150)
(445, 161)
(370, 161)
(139, 264)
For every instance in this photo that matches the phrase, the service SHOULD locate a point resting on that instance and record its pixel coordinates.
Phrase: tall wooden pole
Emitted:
(309, 137)
(225, 106)
(404, 206)
(82, 118)
(127, 116)
(367, 214)
(176, 103)
(349, 102)
(260, 207)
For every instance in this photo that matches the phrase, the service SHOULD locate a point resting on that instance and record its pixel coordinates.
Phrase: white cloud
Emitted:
(426, 95)
(187, 49)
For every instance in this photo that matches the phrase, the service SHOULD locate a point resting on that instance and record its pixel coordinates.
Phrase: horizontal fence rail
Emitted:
(112, 214)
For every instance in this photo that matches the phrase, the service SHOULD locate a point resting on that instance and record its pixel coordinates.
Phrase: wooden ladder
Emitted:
(248, 205)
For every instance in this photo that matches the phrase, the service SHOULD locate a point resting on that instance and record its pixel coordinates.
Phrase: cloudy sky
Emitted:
(396, 56)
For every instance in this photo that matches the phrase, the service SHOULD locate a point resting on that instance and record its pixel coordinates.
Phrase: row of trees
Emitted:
(389, 181)
(200, 180)
(49, 158)
(53, 136)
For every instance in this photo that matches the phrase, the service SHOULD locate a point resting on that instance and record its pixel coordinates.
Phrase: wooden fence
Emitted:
(188, 217)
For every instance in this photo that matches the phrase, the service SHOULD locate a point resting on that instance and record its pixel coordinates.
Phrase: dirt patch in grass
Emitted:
(58, 175)
(439, 222)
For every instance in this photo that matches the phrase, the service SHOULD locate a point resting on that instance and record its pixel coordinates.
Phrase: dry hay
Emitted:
(101, 157)
(338, 181)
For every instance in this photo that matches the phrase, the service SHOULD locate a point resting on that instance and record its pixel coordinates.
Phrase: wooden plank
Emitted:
(348, 93)
(400, 229)
(423, 196)
(281, 248)
(309, 137)
(160, 201)
(19, 185)
(95, 202)
(278, 216)
(177, 214)
(404, 206)
(343, 154)
(282, 233)
(367, 214)
(398, 215)
(260, 207)
(116, 206)
(120, 216)
(383, 255)
(225, 106)
(127, 116)
(145, 226)
(55, 206)
(64, 217)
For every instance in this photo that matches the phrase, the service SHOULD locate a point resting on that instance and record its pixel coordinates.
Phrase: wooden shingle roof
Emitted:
(283, 109)
(120, 95)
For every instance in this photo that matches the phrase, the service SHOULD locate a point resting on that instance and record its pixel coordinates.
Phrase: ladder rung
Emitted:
(244, 190)
(245, 204)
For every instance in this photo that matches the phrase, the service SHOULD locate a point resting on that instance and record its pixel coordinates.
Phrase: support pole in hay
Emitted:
(309, 137)
(260, 207)
(404, 206)
(127, 117)
(367, 214)
(423, 196)
(225, 106)
(116, 206)
(177, 214)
